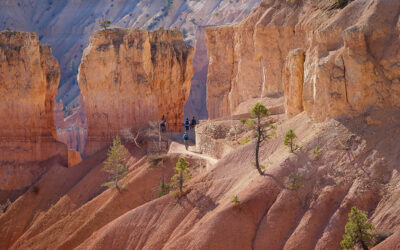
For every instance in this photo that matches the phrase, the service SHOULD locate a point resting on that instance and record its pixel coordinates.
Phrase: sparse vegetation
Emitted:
(342, 3)
(294, 181)
(115, 164)
(316, 152)
(235, 200)
(105, 24)
(261, 134)
(357, 231)
(5, 206)
(245, 141)
(182, 174)
(290, 136)
(163, 189)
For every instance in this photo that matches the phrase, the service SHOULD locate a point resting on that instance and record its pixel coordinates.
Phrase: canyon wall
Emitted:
(29, 77)
(129, 78)
(349, 61)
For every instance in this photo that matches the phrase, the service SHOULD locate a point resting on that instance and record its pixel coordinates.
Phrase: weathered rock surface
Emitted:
(78, 19)
(349, 63)
(129, 78)
(29, 77)
(72, 129)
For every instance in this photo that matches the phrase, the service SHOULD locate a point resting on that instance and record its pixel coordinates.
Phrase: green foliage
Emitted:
(105, 24)
(342, 3)
(316, 150)
(5, 206)
(259, 110)
(248, 122)
(235, 200)
(115, 164)
(357, 231)
(181, 174)
(294, 181)
(245, 141)
(163, 189)
(289, 140)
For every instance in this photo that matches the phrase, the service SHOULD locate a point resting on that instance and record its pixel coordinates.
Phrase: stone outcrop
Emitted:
(29, 78)
(129, 78)
(349, 65)
(71, 130)
(293, 78)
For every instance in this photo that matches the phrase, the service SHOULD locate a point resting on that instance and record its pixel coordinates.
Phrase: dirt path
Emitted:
(177, 148)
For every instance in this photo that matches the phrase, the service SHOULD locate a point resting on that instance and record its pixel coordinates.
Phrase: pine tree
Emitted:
(182, 174)
(289, 140)
(357, 231)
(115, 163)
(105, 24)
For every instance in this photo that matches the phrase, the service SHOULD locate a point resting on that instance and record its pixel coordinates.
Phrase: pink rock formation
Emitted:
(129, 78)
(293, 78)
(71, 130)
(29, 77)
(349, 65)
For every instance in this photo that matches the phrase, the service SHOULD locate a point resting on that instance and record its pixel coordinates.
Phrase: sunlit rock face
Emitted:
(349, 66)
(29, 78)
(129, 78)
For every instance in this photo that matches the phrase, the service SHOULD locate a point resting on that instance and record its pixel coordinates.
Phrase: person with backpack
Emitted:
(187, 124)
(186, 140)
(163, 124)
(193, 124)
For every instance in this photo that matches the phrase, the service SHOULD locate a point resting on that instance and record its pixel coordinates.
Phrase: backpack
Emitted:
(185, 137)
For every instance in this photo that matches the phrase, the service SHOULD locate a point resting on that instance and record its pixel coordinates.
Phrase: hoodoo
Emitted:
(348, 61)
(130, 77)
(29, 78)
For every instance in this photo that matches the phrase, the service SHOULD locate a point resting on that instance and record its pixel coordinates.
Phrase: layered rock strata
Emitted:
(129, 78)
(349, 65)
(29, 78)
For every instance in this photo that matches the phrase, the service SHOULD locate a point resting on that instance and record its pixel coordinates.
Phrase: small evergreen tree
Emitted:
(182, 174)
(261, 134)
(289, 140)
(115, 163)
(357, 231)
(105, 24)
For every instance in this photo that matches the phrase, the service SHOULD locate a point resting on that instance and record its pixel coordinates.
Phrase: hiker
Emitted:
(186, 140)
(163, 124)
(193, 124)
(187, 124)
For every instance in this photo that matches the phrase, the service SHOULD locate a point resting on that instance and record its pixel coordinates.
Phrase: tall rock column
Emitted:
(129, 78)
(293, 78)
(29, 78)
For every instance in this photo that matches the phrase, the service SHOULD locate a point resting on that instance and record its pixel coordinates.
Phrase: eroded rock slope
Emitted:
(129, 78)
(347, 64)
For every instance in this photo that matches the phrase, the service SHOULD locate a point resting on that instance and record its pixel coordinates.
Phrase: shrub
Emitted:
(342, 3)
(245, 141)
(5, 206)
(115, 164)
(294, 181)
(235, 200)
(357, 231)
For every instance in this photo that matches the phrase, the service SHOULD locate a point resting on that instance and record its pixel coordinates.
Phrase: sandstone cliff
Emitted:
(29, 77)
(131, 77)
(348, 63)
